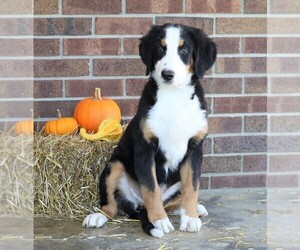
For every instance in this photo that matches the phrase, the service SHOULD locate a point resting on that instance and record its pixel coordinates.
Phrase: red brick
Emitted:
(92, 7)
(218, 125)
(92, 46)
(40, 8)
(221, 164)
(118, 67)
(241, 25)
(214, 6)
(206, 24)
(208, 101)
(62, 26)
(285, 7)
(284, 65)
(284, 45)
(226, 65)
(240, 144)
(256, 123)
(249, 104)
(16, 68)
(207, 146)
(284, 104)
(135, 86)
(20, 109)
(238, 181)
(255, 6)
(46, 47)
(255, 45)
(63, 67)
(16, 89)
(284, 163)
(227, 45)
(256, 85)
(285, 85)
(15, 7)
(254, 163)
(282, 181)
(222, 85)
(85, 88)
(283, 144)
(45, 109)
(16, 47)
(283, 26)
(47, 89)
(128, 106)
(285, 123)
(16, 26)
(123, 26)
(131, 46)
(154, 6)
(204, 182)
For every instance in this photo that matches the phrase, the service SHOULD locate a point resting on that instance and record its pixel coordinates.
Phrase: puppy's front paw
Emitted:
(189, 224)
(161, 227)
(94, 220)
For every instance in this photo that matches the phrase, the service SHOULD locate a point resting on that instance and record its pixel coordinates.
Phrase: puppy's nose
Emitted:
(167, 75)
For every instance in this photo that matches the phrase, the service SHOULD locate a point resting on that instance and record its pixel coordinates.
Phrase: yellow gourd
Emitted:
(109, 130)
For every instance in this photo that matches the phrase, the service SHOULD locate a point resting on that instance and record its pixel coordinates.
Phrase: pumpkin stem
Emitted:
(58, 113)
(98, 94)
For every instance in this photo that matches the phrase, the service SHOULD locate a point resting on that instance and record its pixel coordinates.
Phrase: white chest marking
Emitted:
(174, 119)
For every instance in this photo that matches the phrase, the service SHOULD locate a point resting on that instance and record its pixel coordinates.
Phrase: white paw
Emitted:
(189, 224)
(94, 220)
(161, 227)
(202, 212)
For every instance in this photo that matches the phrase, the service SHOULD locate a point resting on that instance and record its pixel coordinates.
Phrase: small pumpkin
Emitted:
(109, 130)
(24, 127)
(61, 126)
(90, 112)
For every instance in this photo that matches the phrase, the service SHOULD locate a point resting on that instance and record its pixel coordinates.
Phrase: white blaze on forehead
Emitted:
(172, 39)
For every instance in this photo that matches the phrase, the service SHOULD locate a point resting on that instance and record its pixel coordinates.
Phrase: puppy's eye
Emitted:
(183, 50)
(160, 49)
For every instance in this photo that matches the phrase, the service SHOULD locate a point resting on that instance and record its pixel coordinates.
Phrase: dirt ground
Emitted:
(237, 220)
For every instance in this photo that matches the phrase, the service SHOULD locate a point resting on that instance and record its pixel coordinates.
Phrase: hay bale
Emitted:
(16, 174)
(67, 171)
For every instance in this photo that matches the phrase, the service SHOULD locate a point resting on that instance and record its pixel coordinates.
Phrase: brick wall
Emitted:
(252, 91)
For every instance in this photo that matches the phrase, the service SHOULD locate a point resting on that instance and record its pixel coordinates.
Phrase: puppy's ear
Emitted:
(205, 53)
(146, 50)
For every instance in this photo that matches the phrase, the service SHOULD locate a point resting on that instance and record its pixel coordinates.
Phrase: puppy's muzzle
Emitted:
(167, 75)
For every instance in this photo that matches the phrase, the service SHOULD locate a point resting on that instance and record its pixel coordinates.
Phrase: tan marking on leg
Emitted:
(147, 133)
(191, 67)
(163, 42)
(153, 201)
(117, 170)
(189, 194)
(181, 42)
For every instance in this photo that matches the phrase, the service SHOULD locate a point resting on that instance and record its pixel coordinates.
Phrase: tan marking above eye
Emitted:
(163, 43)
(181, 42)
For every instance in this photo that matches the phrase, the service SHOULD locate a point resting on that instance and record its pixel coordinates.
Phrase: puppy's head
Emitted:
(173, 53)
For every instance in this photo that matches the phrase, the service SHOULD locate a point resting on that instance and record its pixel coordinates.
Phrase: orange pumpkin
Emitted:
(61, 126)
(90, 112)
(24, 127)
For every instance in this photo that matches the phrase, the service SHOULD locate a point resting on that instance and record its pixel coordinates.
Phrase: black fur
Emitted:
(137, 154)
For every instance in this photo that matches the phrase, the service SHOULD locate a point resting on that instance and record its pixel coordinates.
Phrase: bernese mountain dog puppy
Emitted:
(159, 156)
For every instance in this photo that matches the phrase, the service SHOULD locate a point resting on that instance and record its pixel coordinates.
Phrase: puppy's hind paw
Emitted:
(94, 220)
(202, 212)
